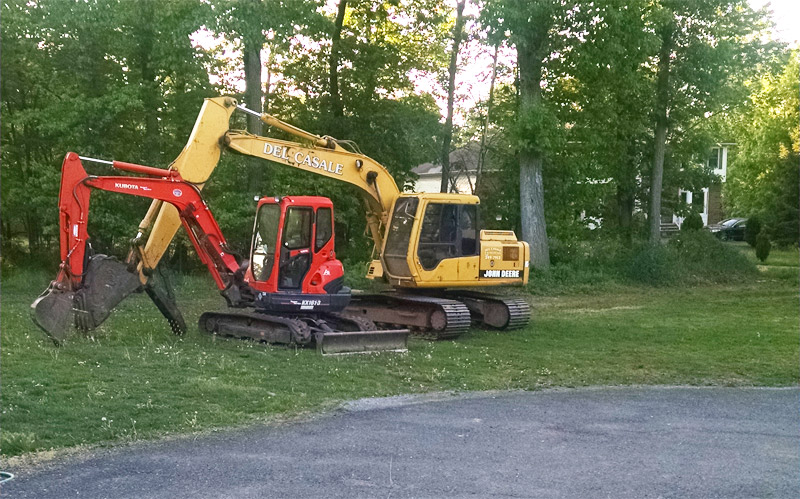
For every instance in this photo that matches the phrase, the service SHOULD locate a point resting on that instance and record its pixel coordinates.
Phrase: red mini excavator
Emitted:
(292, 282)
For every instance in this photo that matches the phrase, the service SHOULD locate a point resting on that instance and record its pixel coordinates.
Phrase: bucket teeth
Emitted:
(159, 289)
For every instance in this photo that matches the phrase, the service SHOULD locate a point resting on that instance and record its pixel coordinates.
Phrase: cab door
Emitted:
(295, 259)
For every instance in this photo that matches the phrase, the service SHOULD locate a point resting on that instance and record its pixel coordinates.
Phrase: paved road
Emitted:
(609, 442)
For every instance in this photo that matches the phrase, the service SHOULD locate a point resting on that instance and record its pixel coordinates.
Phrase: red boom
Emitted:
(197, 219)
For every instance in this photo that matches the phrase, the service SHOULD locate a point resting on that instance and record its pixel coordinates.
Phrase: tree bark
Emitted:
(252, 80)
(451, 83)
(662, 103)
(531, 188)
(482, 150)
(252, 43)
(625, 204)
(337, 109)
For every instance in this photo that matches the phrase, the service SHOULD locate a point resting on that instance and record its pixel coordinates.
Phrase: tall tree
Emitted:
(487, 121)
(706, 49)
(336, 99)
(606, 99)
(665, 34)
(530, 26)
(458, 31)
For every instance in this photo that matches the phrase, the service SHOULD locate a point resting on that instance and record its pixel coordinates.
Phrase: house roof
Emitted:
(461, 159)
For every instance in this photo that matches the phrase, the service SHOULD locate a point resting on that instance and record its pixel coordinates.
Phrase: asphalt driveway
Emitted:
(602, 442)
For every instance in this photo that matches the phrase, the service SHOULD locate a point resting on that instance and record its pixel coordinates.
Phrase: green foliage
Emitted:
(105, 78)
(692, 222)
(689, 258)
(764, 176)
(655, 265)
(702, 258)
(763, 246)
(752, 230)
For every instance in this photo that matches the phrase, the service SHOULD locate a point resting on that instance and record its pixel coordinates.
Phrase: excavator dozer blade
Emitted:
(348, 342)
(106, 283)
(53, 313)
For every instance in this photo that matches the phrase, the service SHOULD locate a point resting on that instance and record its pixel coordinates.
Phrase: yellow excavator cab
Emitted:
(434, 240)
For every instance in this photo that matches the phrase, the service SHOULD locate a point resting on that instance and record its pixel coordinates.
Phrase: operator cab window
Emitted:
(265, 237)
(324, 228)
(399, 235)
(448, 231)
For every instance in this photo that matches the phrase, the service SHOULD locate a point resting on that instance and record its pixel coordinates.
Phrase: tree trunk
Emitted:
(662, 103)
(337, 110)
(252, 80)
(268, 85)
(451, 83)
(625, 205)
(252, 98)
(482, 151)
(531, 189)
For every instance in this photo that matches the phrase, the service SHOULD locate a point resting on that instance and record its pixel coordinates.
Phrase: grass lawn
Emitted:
(135, 380)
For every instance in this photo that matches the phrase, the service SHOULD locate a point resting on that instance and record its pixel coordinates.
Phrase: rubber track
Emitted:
(362, 323)
(457, 316)
(300, 332)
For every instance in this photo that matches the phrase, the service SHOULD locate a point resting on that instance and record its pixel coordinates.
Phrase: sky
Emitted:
(786, 16)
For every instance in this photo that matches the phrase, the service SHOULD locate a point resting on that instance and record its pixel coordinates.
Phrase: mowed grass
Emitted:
(134, 380)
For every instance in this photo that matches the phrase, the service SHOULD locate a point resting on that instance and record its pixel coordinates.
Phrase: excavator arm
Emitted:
(378, 188)
(70, 292)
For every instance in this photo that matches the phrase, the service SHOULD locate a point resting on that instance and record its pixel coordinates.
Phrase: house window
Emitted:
(713, 159)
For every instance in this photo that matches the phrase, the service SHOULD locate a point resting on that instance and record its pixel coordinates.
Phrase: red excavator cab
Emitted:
(292, 254)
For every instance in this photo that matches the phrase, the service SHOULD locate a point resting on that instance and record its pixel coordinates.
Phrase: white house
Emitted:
(463, 171)
(710, 197)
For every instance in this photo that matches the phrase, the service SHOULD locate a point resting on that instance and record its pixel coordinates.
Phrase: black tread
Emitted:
(456, 315)
(519, 310)
(298, 331)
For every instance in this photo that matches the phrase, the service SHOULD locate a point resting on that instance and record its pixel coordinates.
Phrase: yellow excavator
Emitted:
(428, 246)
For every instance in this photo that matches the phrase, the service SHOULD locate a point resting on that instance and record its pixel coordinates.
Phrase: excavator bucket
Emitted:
(52, 311)
(106, 283)
(159, 289)
(348, 342)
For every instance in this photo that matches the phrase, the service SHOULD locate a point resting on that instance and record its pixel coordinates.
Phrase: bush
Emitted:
(693, 221)
(762, 245)
(654, 265)
(752, 230)
(691, 257)
(703, 258)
